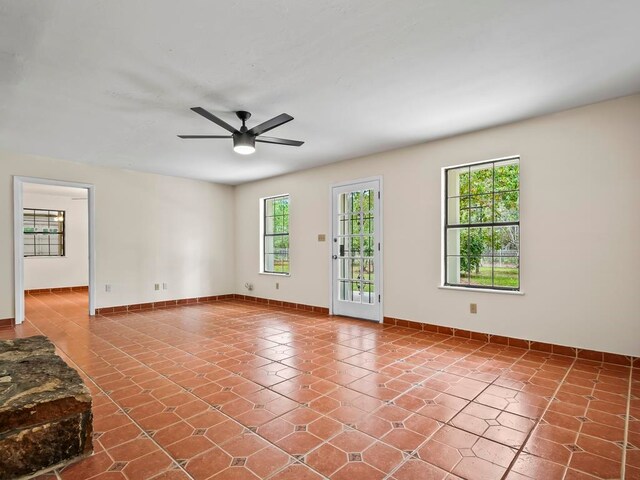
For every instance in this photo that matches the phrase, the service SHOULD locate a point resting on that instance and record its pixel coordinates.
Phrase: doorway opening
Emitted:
(53, 242)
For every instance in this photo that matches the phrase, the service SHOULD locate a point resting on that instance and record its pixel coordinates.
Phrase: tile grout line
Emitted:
(537, 422)
(294, 462)
(391, 342)
(405, 460)
(232, 373)
(300, 405)
(626, 425)
(268, 388)
(387, 402)
(448, 337)
(390, 475)
(174, 462)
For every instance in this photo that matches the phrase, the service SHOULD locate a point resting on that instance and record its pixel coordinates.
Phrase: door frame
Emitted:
(332, 293)
(18, 242)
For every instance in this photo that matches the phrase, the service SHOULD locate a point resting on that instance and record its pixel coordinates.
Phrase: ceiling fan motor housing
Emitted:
(244, 141)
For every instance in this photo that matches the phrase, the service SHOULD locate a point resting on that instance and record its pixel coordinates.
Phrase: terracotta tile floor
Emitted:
(234, 390)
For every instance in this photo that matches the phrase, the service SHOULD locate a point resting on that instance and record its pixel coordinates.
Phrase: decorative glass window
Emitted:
(276, 235)
(482, 225)
(43, 232)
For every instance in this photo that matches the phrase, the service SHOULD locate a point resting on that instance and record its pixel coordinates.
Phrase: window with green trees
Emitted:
(276, 235)
(482, 227)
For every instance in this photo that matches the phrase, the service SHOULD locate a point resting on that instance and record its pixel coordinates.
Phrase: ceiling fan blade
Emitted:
(279, 141)
(270, 124)
(204, 136)
(214, 119)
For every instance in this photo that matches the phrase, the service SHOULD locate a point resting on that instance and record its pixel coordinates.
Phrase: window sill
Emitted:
(482, 290)
(277, 274)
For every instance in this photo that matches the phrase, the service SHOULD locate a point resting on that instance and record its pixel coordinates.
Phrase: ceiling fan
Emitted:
(245, 138)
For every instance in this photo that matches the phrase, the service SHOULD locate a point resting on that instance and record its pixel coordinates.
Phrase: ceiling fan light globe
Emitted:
(244, 149)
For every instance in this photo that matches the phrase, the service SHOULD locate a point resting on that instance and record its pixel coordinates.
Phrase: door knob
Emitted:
(335, 257)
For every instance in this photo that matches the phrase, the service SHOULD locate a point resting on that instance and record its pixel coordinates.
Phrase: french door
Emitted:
(356, 250)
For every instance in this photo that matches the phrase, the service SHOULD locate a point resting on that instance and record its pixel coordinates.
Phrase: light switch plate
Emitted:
(322, 237)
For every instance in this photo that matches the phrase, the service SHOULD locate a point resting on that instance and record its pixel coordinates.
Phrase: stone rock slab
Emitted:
(45, 408)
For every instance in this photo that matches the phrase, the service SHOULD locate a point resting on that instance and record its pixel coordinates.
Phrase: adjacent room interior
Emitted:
(425, 268)
(56, 240)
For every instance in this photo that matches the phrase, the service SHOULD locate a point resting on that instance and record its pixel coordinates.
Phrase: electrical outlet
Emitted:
(473, 307)
(277, 286)
(156, 286)
(107, 288)
(165, 286)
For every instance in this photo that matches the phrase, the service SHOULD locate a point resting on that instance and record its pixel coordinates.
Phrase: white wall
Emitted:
(73, 269)
(149, 229)
(580, 224)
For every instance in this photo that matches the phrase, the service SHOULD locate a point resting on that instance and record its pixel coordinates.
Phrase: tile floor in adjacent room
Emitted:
(237, 390)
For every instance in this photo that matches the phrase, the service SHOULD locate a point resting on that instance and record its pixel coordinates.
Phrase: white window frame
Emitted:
(443, 228)
(262, 270)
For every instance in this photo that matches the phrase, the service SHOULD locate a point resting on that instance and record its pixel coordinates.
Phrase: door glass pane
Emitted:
(355, 289)
(355, 268)
(344, 290)
(368, 291)
(355, 202)
(368, 200)
(354, 246)
(367, 226)
(342, 224)
(356, 242)
(343, 268)
(355, 224)
(368, 272)
(368, 246)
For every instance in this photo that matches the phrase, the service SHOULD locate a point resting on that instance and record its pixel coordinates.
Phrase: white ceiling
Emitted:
(111, 82)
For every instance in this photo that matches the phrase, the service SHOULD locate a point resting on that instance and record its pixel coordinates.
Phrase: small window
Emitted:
(276, 235)
(43, 232)
(482, 225)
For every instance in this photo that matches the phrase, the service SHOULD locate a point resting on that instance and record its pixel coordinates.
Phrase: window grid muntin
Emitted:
(468, 226)
(274, 235)
(362, 216)
(59, 234)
